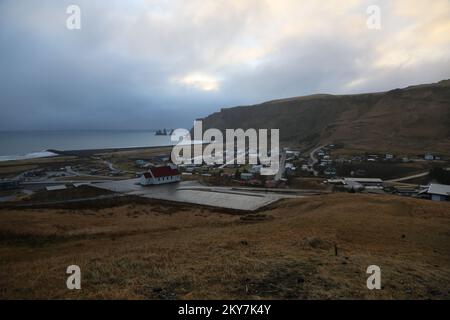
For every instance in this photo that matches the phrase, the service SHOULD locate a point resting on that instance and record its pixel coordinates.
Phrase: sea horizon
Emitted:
(16, 145)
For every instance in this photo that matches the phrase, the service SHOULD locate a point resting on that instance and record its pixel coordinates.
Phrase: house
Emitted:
(405, 190)
(370, 183)
(428, 156)
(437, 192)
(353, 186)
(346, 183)
(161, 175)
(55, 188)
(389, 156)
(292, 153)
(358, 184)
(335, 181)
(330, 171)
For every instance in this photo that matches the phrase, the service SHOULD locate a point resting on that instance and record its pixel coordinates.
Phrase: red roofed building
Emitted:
(160, 175)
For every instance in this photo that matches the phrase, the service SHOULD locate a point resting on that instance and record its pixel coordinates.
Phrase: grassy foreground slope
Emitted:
(155, 251)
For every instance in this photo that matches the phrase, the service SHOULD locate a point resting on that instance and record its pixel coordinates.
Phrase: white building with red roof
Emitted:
(161, 175)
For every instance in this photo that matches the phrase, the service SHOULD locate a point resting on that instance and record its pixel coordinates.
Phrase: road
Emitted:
(282, 166)
(111, 166)
(113, 169)
(238, 154)
(72, 172)
(419, 175)
(314, 160)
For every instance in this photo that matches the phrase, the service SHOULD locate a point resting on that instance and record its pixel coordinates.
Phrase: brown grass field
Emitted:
(287, 251)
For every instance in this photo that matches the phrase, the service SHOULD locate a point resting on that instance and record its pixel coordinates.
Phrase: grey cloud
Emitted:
(115, 73)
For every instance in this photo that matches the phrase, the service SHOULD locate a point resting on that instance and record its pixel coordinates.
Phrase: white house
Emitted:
(161, 175)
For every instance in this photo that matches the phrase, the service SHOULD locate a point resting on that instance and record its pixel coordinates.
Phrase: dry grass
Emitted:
(155, 251)
(10, 169)
(308, 183)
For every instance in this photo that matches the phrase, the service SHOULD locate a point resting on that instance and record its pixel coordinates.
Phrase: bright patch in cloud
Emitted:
(198, 80)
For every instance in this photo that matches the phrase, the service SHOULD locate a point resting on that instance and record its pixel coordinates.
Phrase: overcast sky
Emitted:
(141, 64)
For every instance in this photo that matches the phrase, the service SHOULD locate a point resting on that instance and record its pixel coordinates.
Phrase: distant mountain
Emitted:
(411, 120)
(163, 132)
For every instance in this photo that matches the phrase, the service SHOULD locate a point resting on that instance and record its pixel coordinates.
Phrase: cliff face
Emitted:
(413, 119)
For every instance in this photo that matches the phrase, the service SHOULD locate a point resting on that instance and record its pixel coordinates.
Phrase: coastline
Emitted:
(26, 145)
(50, 153)
(91, 152)
(29, 156)
(82, 152)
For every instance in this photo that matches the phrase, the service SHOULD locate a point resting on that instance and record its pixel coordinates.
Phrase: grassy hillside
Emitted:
(288, 251)
(414, 119)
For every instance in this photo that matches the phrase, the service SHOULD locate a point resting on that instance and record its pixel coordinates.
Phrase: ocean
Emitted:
(33, 144)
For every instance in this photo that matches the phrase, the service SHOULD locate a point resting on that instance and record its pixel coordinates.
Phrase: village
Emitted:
(133, 213)
(325, 169)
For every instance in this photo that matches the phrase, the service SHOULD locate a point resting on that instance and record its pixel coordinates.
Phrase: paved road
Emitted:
(419, 175)
(69, 170)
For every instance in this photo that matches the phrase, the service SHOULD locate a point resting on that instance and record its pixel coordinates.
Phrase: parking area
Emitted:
(189, 192)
